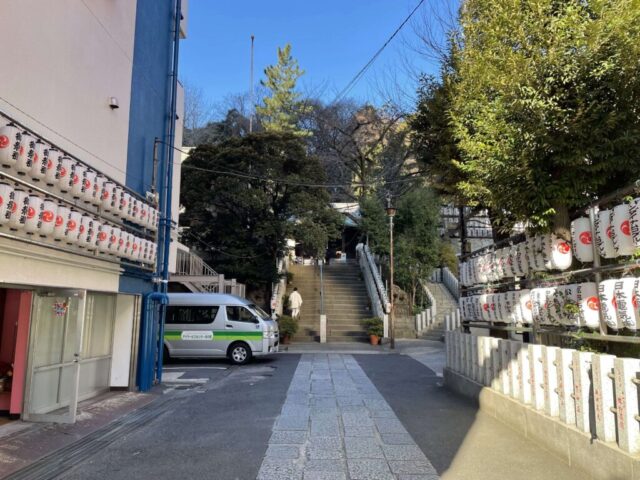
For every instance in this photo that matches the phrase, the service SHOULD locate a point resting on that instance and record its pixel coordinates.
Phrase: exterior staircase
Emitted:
(445, 304)
(346, 302)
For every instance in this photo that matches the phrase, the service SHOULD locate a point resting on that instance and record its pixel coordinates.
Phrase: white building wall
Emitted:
(62, 60)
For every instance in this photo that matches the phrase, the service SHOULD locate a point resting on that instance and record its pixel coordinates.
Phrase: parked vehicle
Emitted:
(218, 325)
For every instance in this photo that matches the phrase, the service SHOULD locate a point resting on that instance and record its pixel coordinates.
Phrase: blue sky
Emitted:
(332, 40)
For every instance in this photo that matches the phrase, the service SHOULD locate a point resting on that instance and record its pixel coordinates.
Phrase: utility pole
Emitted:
(391, 212)
(251, 89)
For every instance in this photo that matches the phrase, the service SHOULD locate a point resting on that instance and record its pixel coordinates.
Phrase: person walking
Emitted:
(295, 302)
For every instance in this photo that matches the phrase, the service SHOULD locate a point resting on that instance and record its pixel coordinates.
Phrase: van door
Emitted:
(189, 330)
(242, 324)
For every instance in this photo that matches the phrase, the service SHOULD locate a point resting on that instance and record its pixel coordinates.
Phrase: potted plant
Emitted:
(375, 329)
(287, 326)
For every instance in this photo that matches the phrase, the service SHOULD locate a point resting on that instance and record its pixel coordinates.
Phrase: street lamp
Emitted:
(391, 212)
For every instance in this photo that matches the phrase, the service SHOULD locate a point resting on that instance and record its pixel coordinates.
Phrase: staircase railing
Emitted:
(189, 264)
(280, 287)
(375, 288)
(448, 279)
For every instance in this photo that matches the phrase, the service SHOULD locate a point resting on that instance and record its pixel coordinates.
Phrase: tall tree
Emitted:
(243, 198)
(545, 104)
(283, 108)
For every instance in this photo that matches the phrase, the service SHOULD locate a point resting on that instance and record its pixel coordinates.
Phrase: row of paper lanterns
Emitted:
(40, 215)
(539, 253)
(617, 232)
(30, 157)
(617, 299)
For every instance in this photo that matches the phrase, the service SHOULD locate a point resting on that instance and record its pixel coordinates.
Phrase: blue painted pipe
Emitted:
(147, 345)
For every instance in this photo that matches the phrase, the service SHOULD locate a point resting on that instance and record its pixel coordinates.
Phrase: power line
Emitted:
(364, 69)
(216, 249)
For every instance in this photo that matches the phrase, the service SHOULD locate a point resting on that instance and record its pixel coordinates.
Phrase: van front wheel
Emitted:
(239, 353)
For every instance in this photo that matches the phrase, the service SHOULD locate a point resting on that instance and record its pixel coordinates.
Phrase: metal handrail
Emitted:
(448, 279)
(368, 264)
(189, 264)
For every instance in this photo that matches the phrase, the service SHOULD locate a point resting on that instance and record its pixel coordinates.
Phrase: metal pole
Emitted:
(596, 263)
(251, 89)
(321, 289)
(392, 343)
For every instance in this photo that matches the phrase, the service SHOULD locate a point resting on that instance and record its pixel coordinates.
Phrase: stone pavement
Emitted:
(335, 425)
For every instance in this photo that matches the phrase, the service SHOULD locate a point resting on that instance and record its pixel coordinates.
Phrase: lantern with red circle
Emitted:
(65, 174)
(526, 306)
(88, 185)
(52, 159)
(589, 305)
(103, 237)
(604, 234)
(10, 137)
(98, 188)
(86, 232)
(34, 211)
(108, 194)
(125, 205)
(38, 165)
(624, 292)
(581, 239)
(621, 230)
(114, 236)
(60, 227)
(634, 217)
(135, 248)
(122, 240)
(6, 194)
(126, 247)
(73, 227)
(144, 212)
(25, 154)
(608, 306)
(47, 217)
(135, 210)
(77, 176)
(18, 209)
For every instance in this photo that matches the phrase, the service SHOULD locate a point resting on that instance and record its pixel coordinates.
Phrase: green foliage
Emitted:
(240, 223)
(282, 110)
(448, 257)
(374, 224)
(374, 326)
(287, 325)
(541, 98)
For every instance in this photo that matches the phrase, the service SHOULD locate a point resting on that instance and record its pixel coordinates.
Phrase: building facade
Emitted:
(90, 109)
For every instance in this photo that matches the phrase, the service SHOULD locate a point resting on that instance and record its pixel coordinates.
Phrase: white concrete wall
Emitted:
(122, 341)
(25, 264)
(61, 62)
(178, 158)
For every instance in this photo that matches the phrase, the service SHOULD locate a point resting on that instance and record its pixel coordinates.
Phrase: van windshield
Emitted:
(261, 313)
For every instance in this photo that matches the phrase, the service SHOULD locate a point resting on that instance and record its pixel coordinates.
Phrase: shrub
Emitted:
(287, 325)
(374, 326)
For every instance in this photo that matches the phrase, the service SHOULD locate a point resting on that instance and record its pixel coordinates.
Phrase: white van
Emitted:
(217, 325)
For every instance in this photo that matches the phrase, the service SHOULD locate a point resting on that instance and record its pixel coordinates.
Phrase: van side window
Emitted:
(240, 314)
(191, 314)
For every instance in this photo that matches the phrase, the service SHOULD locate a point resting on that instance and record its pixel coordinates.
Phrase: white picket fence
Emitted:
(595, 393)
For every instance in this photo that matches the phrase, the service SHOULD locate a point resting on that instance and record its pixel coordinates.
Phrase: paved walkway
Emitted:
(335, 425)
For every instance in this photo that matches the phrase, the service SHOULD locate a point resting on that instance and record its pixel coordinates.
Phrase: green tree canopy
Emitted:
(544, 104)
(283, 108)
(243, 199)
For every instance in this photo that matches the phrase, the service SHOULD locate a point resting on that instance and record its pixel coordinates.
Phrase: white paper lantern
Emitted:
(65, 174)
(526, 306)
(153, 258)
(25, 154)
(77, 180)
(624, 295)
(559, 253)
(34, 210)
(513, 305)
(135, 210)
(126, 249)
(6, 194)
(86, 232)
(108, 196)
(117, 199)
(135, 248)
(103, 237)
(125, 206)
(156, 224)
(634, 216)
(39, 162)
(608, 305)
(73, 227)
(569, 309)
(589, 304)
(98, 189)
(144, 214)
(52, 161)
(88, 185)
(114, 240)
(10, 137)
(47, 218)
(18, 209)
(581, 239)
(635, 301)
(621, 230)
(522, 259)
(604, 234)
(62, 216)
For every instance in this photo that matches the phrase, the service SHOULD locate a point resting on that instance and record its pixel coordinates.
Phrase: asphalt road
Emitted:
(220, 420)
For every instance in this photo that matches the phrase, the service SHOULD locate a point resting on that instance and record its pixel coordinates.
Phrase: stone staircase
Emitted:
(445, 304)
(307, 279)
(346, 302)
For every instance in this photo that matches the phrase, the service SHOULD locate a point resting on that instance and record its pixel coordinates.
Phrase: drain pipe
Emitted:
(147, 347)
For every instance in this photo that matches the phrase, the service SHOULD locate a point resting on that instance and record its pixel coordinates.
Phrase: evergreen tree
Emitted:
(283, 110)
